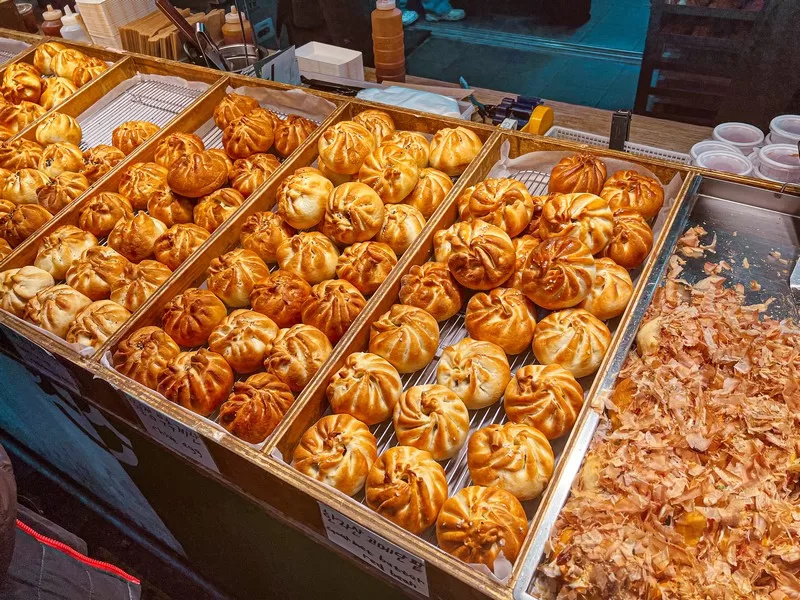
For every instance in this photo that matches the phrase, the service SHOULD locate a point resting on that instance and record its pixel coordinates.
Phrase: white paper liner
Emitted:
(295, 101)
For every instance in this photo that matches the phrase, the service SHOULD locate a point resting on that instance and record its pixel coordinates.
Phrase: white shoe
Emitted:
(455, 14)
(409, 17)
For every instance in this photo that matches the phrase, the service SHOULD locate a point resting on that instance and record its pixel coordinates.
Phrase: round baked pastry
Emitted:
(249, 174)
(366, 265)
(23, 186)
(20, 154)
(22, 222)
(61, 248)
(431, 287)
(169, 208)
(212, 210)
(332, 176)
(611, 292)
(43, 56)
(191, 317)
(58, 127)
(297, 355)
(99, 270)
(406, 336)
(66, 61)
(263, 232)
(477, 371)
(199, 380)
(291, 132)
(233, 275)
(401, 225)
(572, 338)
(559, 273)
(523, 246)
(255, 407)
(515, 457)
(503, 316)
(144, 354)
(132, 134)
(22, 82)
(135, 237)
(344, 147)
(581, 172)
(481, 255)
(96, 323)
(103, 212)
(232, 107)
(197, 174)
(15, 117)
(391, 172)
(5, 249)
(332, 307)
(58, 90)
(6, 206)
(221, 154)
(379, 123)
(631, 239)
(479, 524)
(55, 308)
(629, 189)
(367, 387)
(84, 73)
(408, 487)
(100, 160)
(413, 142)
(178, 243)
(17, 286)
(309, 254)
(59, 158)
(244, 338)
(281, 297)
(175, 146)
(453, 149)
(504, 203)
(431, 190)
(140, 181)
(250, 134)
(354, 213)
(301, 199)
(585, 217)
(338, 451)
(138, 283)
(546, 397)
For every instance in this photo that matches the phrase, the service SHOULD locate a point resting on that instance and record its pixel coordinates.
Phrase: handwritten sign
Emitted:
(42, 361)
(172, 434)
(375, 550)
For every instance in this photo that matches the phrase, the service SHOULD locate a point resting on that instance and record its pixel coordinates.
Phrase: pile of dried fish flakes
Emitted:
(691, 489)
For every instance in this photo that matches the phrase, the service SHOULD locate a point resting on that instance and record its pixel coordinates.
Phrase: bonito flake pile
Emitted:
(691, 490)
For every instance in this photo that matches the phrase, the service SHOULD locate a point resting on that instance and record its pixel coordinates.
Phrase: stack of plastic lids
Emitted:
(103, 18)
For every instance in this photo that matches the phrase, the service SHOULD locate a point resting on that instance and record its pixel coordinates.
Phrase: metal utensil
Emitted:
(180, 22)
(210, 51)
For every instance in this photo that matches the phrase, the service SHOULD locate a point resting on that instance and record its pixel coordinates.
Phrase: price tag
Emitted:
(42, 361)
(172, 434)
(374, 550)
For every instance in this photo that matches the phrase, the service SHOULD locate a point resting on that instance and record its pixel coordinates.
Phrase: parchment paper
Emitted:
(296, 101)
(7, 45)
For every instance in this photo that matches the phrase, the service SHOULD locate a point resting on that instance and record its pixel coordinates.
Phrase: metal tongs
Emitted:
(208, 48)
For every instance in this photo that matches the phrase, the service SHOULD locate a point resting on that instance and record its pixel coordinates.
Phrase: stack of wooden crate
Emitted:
(155, 35)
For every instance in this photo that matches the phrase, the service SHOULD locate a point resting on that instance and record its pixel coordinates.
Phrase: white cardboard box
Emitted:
(316, 57)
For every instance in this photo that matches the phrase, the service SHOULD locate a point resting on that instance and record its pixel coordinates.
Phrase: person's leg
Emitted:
(441, 10)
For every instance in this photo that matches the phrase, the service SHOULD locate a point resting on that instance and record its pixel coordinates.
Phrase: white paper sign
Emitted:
(173, 434)
(375, 550)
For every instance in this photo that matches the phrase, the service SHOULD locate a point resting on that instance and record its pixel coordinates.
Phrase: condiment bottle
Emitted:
(52, 21)
(387, 42)
(232, 30)
(71, 28)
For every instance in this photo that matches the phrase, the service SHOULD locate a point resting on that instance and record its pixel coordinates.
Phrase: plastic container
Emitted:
(725, 160)
(232, 29)
(708, 145)
(780, 162)
(785, 129)
(71, 28)
(25, 11)
(52, 21)
(743, 136)
(387, 42)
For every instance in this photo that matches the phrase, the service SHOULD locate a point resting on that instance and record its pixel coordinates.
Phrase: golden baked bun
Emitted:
(84, 73)
(197, 174)
(212, 210)
(477, 371)
(503, 316)
(22, 82)
(631, 239)
(546, 397)
(301, 199)
(367, 387)
(611, 292)
(480, 523)
(175, 146)
(135, 237)
(61, 248)
(66, 61)
(515, 457)
(179, 243)
(249, 174)
(504, 203)
(585, 217)
(582, 172)
(5, 249)
(169, 208)
(559, 273)
(629, 189)
(22, 222)
(17, 286)
(103, 212)
(6, 206)
(59, 158)
(199, 381)
(233, 275)
(431, 287)
(523, 246)
(481, 255)
(144, 354)
(401, 226)
(100, 160)
(391, 172)
(431, 190)
(55, 308)
(345, 146)
(408, 487)
(309, 254)
(191, 317)
(297, 355)
(379, 123)
(291, 132)
(58, 127)
(20, 154)
(250, 134)
(13, 118)
(44, 54)
(339, 451)
(281, 297)
(23, 186)
(366, 265)
(332, 307)
(572, 338)
(232, 107)
(453, 149)
(244, 338)
(406, 336)
(413, 142)
(58, 90)
(99, 270)
(354, 213)
(332, 176)
(138, 283)
(140, 181)
(96, 323)
(132, 134)
(255, 407)
(263, 233)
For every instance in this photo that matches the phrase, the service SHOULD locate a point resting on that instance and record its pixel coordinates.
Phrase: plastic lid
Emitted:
(738, 134)
(51, 14)
(385, 4)
(729, 162)
(233, 16)
(707, 145)
(787, 126)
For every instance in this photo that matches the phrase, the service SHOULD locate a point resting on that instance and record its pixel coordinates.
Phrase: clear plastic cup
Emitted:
(743, 136)
(785, 129)
(726, 161)
(708, 145)
(780, 162)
